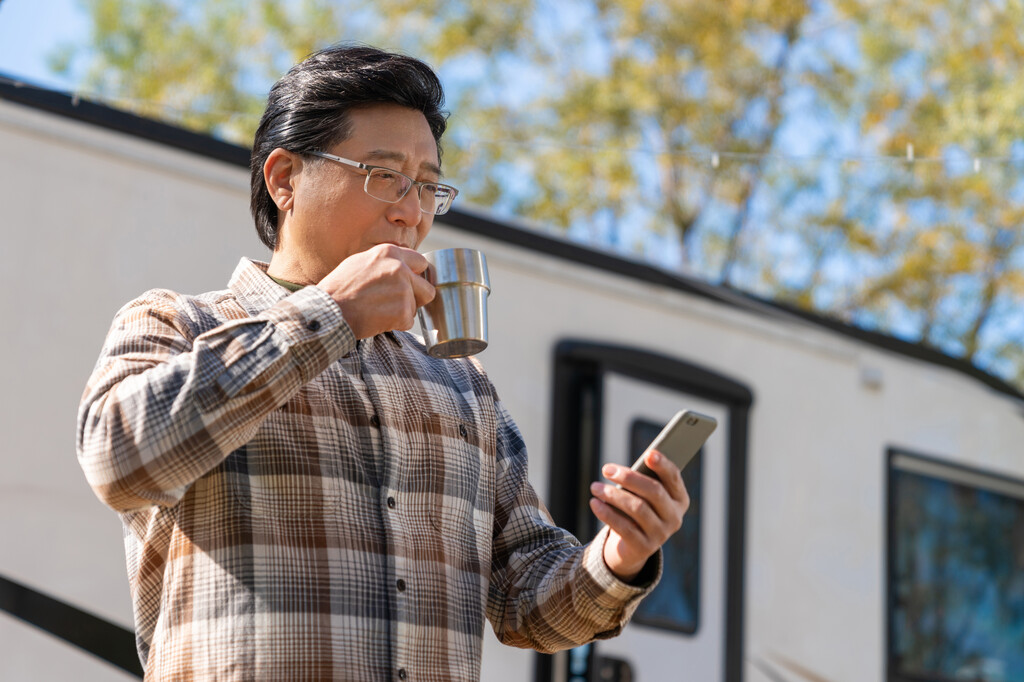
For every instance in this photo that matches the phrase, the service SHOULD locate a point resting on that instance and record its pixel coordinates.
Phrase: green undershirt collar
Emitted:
(290, 286)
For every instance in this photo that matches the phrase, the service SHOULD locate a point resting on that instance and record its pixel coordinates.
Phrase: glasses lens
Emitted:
(387, 185)
(436, 199)
(391, 186)
(431, 196)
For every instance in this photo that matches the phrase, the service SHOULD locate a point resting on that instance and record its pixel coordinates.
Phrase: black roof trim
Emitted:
(79, 109)
(63, 104)
(607, 262)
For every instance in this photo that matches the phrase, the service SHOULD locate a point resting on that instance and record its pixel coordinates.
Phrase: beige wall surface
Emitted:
(91, 219)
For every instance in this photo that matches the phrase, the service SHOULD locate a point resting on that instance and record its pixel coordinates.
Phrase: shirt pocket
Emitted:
(458, 474)
(293, 466)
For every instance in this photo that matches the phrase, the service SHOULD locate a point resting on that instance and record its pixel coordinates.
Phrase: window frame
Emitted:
(577, 402)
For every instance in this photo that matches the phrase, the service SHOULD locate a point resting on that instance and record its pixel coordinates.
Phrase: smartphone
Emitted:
(680, 440)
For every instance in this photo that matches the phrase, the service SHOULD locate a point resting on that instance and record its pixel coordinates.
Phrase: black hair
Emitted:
(308, 109)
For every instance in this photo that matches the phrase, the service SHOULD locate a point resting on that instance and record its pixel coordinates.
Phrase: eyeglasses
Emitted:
(391, 186)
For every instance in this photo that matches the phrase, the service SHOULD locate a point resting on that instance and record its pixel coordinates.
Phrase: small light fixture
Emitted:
(871, 377)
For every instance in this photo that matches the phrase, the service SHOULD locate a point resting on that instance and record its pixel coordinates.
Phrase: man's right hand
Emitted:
(379, 290)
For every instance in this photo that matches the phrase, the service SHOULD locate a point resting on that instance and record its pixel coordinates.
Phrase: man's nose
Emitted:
(406, 210)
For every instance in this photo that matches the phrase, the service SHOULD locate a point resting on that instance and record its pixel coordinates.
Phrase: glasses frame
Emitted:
(368, 169)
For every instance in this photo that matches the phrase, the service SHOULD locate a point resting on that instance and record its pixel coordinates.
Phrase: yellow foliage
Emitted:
(680, 79)
(964, 258)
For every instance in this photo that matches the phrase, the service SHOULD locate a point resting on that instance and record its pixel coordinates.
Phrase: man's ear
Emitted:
(279, 170)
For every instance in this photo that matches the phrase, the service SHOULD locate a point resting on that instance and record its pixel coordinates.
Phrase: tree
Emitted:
(945, 77)
(753, 143)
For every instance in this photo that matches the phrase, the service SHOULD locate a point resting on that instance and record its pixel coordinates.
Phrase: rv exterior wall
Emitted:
(93, 218)
(96, 217)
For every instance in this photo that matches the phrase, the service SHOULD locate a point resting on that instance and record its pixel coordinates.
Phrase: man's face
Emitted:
(332, 217)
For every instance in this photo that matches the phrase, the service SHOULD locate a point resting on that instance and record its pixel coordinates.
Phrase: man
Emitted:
(306, 494)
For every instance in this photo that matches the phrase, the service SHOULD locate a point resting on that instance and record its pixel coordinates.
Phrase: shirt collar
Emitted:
(253, 288)
(256, 291)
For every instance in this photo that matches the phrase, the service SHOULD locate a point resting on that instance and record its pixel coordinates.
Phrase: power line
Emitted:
(713, 157)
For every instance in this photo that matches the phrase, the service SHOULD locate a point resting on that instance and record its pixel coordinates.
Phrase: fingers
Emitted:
(652, 504)
(642, 512)
(665, 494)
(380, 289)
(623, 525)
(632, 507)
(628, 546)
(412, 258)
(422, 290)
(669, 475)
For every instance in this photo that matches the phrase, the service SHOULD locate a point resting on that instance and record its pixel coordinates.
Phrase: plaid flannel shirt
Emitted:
(299, 506)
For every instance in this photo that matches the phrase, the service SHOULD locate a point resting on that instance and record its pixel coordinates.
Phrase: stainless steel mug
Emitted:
(454, 324)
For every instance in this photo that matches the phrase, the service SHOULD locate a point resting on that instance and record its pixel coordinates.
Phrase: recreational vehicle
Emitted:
(858, 515)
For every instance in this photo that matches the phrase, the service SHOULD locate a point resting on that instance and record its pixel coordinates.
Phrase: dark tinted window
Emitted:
(675, 602)
(956, 574)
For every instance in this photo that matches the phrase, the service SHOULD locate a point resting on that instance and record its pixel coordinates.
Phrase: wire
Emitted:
(713, 157)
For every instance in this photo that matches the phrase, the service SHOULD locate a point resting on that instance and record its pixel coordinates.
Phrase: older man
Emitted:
(305, 493)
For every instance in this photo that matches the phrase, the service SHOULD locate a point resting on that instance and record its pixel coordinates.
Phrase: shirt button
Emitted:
(375, 421)
(463, 431)
(400, 585)
(313, 325)
(391, 503)
(402, 674)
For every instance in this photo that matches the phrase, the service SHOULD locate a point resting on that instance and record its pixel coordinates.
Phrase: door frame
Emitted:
(575, 452)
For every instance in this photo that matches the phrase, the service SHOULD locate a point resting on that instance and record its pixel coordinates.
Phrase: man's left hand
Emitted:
(641, 515)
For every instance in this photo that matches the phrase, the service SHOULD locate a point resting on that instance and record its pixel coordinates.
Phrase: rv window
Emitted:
(675, 602)
(956, 573)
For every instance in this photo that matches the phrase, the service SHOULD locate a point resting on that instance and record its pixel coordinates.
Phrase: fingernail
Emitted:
(596, 488)
(608, 470)
(655, 457)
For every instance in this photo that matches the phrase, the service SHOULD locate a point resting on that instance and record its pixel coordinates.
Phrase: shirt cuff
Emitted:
(612, 592)
(310, 316)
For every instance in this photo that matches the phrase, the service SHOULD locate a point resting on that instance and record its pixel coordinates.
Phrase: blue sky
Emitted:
(32, 29)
